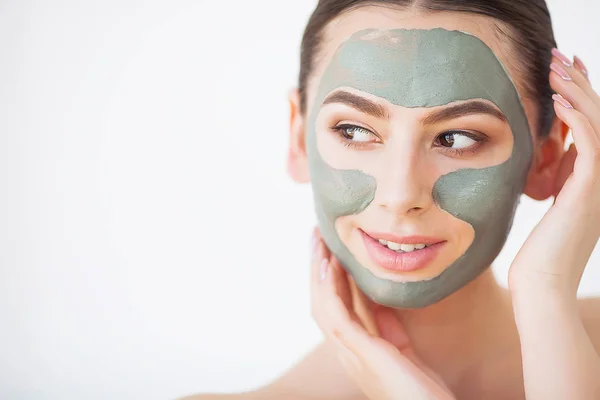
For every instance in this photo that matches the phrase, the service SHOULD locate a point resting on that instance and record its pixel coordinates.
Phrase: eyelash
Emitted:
(340, 129)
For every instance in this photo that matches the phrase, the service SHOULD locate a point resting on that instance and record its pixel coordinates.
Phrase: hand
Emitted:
(559, 359)
(383, 364)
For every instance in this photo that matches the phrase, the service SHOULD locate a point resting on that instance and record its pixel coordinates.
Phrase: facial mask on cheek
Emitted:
(424, 68)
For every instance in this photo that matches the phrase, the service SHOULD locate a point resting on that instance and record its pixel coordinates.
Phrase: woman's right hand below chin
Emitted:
(384, 364)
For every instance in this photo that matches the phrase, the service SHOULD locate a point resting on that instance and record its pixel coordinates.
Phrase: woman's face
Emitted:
(439, 162)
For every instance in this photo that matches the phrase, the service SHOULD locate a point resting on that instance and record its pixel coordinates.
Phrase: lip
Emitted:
(401, 262)
(414, 239)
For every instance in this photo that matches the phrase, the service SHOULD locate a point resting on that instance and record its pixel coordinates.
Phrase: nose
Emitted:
(404, 182)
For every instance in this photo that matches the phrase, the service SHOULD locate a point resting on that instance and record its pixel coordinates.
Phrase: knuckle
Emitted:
(337, 333)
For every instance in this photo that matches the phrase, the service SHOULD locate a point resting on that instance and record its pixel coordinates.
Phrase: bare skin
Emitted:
(470, 339)
(320, 375)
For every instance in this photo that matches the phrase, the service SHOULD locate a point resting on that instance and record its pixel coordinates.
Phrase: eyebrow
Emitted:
(358, 102)
(447, 113)
(462, 109)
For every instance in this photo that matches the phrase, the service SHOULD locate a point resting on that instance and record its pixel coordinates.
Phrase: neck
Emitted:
(458, 334)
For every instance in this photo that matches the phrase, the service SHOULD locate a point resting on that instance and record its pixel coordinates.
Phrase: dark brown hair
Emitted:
(530, 33)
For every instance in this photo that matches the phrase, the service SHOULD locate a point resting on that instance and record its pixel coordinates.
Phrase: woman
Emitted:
(419, 124)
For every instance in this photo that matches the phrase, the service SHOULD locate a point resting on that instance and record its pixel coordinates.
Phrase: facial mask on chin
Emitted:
(424, 68)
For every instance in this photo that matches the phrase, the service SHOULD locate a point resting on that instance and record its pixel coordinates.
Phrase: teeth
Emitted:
(394, 246)
(407, 247)
(402, 247)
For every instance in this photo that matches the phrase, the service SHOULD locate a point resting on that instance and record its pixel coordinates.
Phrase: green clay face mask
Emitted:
(424, 68)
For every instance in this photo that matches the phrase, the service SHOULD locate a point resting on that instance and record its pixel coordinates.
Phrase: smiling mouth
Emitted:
(401, 256)
(401, 247)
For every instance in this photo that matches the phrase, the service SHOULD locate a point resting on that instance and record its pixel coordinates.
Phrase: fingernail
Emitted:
(581, 65)
(562, 100)
(323, 269)
(560, 71)
(564, 59)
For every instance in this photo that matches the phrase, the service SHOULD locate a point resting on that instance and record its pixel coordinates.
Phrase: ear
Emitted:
(548, 154)
(297, 161)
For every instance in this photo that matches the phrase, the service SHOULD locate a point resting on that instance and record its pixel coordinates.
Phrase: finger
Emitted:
(342, 326)
(330, 294)
(334, 316)
(580, 66)
(565, 168)
(338, 294)
(349, 360)
(349, 294)
(331, 318)
(363, 307)
(575, 71)
(338, 317)
(562, 82)
(314, 237)
(361, 297)
(341, 283)
(319, 309)
(356, 348)
(571, 67)
(352, 297)
(347, 329)
(391, 329)
(586, 140)
(316, 271)
(317, 254)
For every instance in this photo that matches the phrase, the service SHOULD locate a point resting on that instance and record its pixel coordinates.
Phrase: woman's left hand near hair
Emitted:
(383, 364)
(559, 359)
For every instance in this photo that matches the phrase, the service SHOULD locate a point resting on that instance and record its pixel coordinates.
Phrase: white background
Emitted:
(152, 245)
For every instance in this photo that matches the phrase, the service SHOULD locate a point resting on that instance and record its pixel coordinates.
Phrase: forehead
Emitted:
(420, 68)
(377, 17)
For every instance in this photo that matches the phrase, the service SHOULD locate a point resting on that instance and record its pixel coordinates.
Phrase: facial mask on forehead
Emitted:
(424, 68)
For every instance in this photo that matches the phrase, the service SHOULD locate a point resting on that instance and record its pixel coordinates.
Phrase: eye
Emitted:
(460, 141)
(355, 136)
(355, 133)
(456, 140)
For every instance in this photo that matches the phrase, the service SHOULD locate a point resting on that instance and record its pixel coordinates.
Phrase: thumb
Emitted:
(565, 168)
(391, 329)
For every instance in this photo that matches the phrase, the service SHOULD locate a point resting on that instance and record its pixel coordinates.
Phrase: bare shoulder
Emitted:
(589, 308)
(318, 375)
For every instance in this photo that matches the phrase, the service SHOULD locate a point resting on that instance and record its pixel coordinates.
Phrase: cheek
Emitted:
(461, 232)
(388, 162)
(344, 227)
(459, 235)
(439, 223)
(331, 150)
(339, 155)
